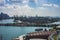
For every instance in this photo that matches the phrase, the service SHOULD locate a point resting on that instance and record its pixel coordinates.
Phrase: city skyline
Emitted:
(30, 7)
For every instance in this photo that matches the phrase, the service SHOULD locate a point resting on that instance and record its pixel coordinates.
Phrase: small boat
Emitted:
(38, 29)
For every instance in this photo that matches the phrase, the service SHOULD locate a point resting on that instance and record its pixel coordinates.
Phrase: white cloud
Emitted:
(42, 8)
(28, 11)
(51, 5)
(47, 5)
(56, 5)
(25, 1)
(16, 9)
(9, 6)
(1, 0)
(20, 10)
(36, 1)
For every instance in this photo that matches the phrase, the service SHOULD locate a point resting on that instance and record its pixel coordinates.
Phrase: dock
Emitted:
(41, 35)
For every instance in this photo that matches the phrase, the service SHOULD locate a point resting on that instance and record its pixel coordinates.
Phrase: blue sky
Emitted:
(30, 7)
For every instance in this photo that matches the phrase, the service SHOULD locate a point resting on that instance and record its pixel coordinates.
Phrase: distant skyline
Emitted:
(30, 7)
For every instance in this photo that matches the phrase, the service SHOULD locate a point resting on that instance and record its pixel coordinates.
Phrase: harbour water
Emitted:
(7, 21)
(9, 32)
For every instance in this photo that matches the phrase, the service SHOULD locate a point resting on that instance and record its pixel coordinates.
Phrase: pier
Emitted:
(41, 35)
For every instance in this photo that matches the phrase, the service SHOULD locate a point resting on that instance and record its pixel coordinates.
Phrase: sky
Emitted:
(30, 7)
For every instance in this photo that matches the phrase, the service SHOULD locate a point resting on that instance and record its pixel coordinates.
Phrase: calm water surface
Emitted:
(9, 32)
(7, 21)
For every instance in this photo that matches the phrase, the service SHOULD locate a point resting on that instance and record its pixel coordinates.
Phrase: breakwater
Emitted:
(19, 24)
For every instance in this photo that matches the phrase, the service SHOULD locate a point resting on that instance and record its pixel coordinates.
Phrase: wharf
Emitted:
(41, 35)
